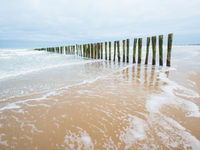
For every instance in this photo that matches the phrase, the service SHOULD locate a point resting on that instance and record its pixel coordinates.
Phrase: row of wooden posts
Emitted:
(95, 51)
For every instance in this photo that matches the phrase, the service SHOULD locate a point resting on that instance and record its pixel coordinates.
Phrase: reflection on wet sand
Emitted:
(126, 108)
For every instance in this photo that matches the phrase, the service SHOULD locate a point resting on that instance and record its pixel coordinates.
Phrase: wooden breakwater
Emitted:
(96, 50)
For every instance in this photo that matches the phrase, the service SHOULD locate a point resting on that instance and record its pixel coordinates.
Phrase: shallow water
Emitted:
(104, 105)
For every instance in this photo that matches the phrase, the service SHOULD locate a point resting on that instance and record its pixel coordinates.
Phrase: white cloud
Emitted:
(62, 20)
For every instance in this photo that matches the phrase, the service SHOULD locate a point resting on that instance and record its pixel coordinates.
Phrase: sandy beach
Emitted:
(128, 106)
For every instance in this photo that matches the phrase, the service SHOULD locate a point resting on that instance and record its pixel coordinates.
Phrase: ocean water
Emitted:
(25, 71)
(53, 101)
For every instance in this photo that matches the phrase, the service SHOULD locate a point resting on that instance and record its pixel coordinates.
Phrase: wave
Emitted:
(20, 73)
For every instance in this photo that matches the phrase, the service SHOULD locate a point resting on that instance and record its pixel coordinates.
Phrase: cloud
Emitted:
(85, 20)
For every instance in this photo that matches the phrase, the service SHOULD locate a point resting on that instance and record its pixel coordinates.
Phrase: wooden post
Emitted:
(105, 50)
(71, 49)
(139, 50)
(98, 49)
(134, 50)
(81, 50)
(109, 50)
(123, 50)
(127, 50)
(101, 50)
(161, 50)
(95, 51)
(147, 50)
(169, 49)
(118, 50)
(61, 49)
(86, 54)
(88, 50)
(68, 49)
(85, 50)
(65, 50)
(153, 50)
(92, 50)
(77, 50)
(114, 50)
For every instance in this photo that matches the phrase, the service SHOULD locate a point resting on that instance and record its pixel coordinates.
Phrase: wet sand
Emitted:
(136, 107)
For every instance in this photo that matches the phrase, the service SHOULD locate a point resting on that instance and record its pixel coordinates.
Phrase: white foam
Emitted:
(10, 106)
(86, 139)
(3, 142)
(134, 132)
(172, 133)
(81, 139)
(156, 102)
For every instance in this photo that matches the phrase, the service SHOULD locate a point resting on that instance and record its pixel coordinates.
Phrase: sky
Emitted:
(42, 23)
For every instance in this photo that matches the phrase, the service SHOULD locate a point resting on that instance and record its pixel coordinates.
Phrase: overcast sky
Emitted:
(32, 23)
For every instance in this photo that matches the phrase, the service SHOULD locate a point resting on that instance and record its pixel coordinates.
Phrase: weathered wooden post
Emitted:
(77, 50)
(101, 50)
(68, 47)
(118, 50)
(61, 49)
(127, 50)
(98, 48)
(88, 50)
(81, 50)
(134, 50)
(105, 50)
(114, 50)
(71, 49)
(147, 50)
(169, 49)
(85, 50)
(95, 51)
(65, 50)
(154, 50)
(123, 50)
(92, 50)
(161, 50)
(109, 50)
(139, 50)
